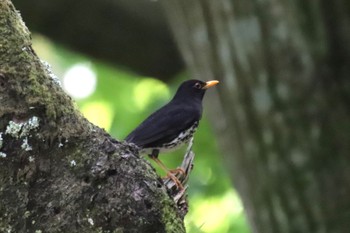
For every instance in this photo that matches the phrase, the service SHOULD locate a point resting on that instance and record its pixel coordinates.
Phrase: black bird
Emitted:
(173, 125)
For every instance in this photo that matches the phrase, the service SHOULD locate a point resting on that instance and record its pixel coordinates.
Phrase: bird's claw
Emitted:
(175, 179)
(177, 171)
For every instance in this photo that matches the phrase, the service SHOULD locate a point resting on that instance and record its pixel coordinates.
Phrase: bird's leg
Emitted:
(178, 170)
(169, 174)
(155, 154)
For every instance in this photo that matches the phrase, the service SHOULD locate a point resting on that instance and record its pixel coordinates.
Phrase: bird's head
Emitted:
(193, 89)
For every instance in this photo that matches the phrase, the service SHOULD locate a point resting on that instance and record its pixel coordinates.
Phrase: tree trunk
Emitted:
(284, 97)
(60, 173)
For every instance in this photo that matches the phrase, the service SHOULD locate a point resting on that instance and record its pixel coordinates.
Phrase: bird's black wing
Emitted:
(163, 125)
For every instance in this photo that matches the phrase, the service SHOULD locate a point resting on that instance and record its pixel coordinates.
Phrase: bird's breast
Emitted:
(183, 138)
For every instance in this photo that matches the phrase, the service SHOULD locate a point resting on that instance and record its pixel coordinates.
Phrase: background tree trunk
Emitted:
(284, 100)
(60, 173)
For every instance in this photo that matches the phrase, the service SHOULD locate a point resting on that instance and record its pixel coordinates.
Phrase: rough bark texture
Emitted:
(128, 33)
(59, 173)
(284, 98)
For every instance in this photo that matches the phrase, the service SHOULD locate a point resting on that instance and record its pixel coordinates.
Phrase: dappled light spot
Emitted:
(147, 90)
(79, 81)
(99, 113)
(215, 214)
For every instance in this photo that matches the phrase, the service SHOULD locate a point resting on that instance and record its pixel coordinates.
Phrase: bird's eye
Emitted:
(198, 86)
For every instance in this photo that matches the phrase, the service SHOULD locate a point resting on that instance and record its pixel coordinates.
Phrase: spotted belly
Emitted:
(182, 139)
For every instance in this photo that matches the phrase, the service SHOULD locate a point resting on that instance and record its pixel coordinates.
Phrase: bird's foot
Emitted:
(178, 170)
(175, 179)
(175, 172)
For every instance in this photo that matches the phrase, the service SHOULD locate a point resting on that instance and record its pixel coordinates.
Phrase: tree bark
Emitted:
(284, 122)
(60, 173)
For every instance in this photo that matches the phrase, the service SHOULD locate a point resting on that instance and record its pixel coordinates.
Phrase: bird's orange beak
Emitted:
(210, 84)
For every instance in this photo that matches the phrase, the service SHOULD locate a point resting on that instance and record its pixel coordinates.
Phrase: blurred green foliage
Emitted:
(121, 101)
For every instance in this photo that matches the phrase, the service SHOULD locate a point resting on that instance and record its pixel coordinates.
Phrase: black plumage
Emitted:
(174, 124)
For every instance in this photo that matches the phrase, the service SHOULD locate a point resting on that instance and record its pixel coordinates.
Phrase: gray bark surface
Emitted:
(283, 104)
(58, 172)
